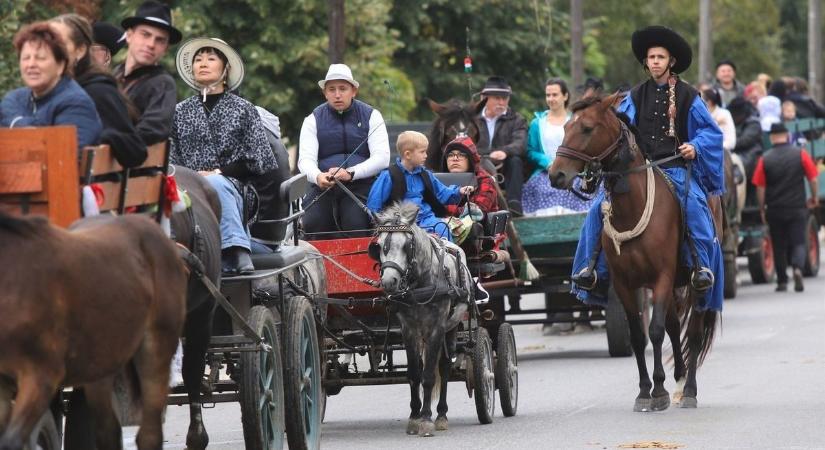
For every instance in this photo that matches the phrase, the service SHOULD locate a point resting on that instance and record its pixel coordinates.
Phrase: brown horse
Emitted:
(452, 118)
(80, 306)
(596, 136)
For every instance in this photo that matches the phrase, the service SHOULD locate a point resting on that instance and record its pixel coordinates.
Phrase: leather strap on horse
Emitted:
(618, 237)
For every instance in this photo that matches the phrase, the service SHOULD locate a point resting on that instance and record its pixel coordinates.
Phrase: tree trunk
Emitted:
(815, 76)
(337, 39)
(705, 42)
(576, 47)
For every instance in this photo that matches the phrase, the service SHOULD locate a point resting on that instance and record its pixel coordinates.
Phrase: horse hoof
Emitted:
(196, 438)
(642, 405)
(426, 428)
(660, 403)
(412, 426)
(441, 423)
(688, 402)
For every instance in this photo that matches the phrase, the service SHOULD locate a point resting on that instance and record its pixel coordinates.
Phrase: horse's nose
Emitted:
(557, 179)
(389, 284)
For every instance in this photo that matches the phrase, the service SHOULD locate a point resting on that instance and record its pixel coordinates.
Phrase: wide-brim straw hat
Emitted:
(660, 36)
(188, 50)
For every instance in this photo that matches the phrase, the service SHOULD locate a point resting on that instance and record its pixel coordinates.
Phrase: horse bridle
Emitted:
(374, 250)
(593, 172)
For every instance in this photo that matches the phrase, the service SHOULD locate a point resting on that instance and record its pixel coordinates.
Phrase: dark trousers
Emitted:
(788, 233)
(336, 212)
(513, 172)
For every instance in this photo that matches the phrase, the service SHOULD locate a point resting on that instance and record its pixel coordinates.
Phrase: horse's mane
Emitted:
(29, 226)
(405, 212)
(585, 103)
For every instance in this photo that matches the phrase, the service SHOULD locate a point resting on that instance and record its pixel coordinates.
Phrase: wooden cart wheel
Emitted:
(507, 370)
(484, 382)
(261, 388)
(45, 435)
(302, 381)
(618, 330)
(760, 262)
(811, 268)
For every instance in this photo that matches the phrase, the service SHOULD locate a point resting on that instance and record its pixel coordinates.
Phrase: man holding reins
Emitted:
(671, 119)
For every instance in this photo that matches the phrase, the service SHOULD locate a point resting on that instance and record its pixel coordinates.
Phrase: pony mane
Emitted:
(28, 226)
(404, 212)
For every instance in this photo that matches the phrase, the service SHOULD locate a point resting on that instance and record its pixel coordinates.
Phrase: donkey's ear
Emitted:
(478, 106)
(436, 107)
(614, 100)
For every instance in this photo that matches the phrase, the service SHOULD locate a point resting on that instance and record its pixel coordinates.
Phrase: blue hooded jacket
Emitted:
(66, 104)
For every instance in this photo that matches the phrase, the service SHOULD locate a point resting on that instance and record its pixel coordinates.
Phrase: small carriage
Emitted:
(362, 334)
(261, 332)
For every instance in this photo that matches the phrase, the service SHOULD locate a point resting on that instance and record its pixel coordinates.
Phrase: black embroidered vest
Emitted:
(651, 119)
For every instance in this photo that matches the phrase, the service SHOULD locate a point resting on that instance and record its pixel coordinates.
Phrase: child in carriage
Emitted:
(408, 180)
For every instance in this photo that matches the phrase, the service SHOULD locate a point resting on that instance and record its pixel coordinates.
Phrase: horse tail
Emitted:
(436, 394)
(698, 331)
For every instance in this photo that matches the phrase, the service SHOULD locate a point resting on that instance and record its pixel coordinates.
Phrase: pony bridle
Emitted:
(592, 172)
(408, 275)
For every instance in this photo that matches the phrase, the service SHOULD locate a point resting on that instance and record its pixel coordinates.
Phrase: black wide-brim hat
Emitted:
(154, 14)
(659, 36)
(109, 36)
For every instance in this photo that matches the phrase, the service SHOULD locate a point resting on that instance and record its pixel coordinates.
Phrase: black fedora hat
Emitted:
(496, 86)
(155, 14)
(659, 36)
(778, 127)
(109, 36)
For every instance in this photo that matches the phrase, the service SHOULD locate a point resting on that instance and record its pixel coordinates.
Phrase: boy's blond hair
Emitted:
(410, 140)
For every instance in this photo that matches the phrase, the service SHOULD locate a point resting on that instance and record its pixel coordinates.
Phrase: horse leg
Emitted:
(444, 372)
(35, 389)
(638, 340)
(661, 300)
(694, 341)
(197, 332)
(673, 327)
(414, 377)
(432, 355)
(152, 363)
(108, 434)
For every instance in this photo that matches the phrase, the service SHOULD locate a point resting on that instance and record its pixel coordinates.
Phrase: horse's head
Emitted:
(590, 137)
(394, 247)
(453, 118)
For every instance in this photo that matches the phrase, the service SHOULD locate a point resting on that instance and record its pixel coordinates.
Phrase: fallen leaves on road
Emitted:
(652, 444)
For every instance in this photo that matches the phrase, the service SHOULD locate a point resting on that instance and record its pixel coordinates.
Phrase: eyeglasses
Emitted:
(456, 155)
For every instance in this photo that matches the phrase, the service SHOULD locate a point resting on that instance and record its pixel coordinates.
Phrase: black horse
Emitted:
(452, 119)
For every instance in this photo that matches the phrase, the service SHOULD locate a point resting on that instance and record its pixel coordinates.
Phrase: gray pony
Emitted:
(429, 298)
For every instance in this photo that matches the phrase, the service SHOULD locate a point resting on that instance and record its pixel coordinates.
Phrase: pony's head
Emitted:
(394, 246)
(590, 137)
(453, 118)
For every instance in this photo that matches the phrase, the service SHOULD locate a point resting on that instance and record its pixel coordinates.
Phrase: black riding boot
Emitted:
(702, 280)
(236, 261)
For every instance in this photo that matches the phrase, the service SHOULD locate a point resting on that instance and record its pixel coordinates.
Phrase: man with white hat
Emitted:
(344, 140)
(149, 33)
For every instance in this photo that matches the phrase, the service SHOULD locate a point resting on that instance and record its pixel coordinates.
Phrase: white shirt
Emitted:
(378, 141)
(725, 121)
(491, 124)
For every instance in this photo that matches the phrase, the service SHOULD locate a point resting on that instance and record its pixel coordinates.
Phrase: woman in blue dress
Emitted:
(545, 135)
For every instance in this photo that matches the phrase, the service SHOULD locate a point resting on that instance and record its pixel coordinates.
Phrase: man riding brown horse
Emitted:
(672, 121)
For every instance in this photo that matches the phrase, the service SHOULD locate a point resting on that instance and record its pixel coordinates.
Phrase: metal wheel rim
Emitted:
(489, 376)
(268, 403)
(767, 256)
(512, 369)
(310, 386)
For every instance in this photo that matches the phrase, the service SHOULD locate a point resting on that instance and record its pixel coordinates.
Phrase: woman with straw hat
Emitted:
(221, 136)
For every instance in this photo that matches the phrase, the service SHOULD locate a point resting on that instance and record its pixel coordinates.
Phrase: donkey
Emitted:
(78, 307)
(411, 259)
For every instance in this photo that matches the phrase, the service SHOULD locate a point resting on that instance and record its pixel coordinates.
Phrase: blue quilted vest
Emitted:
(340, 133)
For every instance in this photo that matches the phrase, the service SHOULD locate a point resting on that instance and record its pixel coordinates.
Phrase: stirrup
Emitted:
(694, 277)
(595, 279)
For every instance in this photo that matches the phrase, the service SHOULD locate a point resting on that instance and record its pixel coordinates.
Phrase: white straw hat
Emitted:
(338, 72)
(188, 50)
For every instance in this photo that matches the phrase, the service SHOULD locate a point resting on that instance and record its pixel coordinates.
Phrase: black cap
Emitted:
(726, 62)
(155, 14)
(109, 36)
(778, 127)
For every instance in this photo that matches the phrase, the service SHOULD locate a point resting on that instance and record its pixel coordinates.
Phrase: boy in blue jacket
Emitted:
(408, 179)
